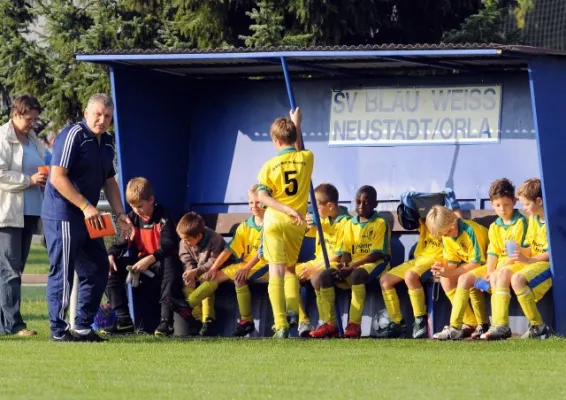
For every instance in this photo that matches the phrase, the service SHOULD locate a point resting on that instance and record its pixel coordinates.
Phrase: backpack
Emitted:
(416, 205)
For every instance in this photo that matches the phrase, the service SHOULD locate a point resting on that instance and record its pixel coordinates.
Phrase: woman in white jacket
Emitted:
(21, 183)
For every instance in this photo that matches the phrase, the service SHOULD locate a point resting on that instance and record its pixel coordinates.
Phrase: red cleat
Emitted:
(353, 331)
(324, 331)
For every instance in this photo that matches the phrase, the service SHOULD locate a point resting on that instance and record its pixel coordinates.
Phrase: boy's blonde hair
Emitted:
(192, 224)
(439, 219)
(530, 189)
(327, 193)
(253, 190)
(138, 189)
(284, 130)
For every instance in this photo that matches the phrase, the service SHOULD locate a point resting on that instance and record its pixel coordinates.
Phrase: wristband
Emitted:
(85, 206)
(120, 214)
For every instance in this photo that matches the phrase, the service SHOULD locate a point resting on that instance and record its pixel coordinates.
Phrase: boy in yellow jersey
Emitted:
(365, 254)
(528, 270)
(464, 245)
(427, 251)
(511, 226)
(332, 219)
(284, 183)
(244, 245)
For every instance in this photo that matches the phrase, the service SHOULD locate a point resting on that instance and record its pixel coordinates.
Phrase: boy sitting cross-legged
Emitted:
(244, 245)
(365, 254)
(153, 244)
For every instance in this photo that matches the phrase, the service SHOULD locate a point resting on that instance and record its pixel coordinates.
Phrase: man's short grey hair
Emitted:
(101, 98)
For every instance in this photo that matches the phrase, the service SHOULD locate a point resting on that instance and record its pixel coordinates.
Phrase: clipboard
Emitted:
(108, 230)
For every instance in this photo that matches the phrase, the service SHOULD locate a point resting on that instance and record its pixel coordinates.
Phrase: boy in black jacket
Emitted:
(153, 244)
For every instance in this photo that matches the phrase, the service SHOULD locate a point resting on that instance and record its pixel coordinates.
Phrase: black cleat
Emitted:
(120, 327)
(164, 328)
(65, 337)
(243, 328)
(393, 331)
(420, 328)
(209, 328)
(91, 336)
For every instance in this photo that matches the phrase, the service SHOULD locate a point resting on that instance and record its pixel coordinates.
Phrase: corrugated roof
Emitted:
(354, 61)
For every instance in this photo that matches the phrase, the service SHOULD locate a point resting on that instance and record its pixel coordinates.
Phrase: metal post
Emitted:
(312, 196)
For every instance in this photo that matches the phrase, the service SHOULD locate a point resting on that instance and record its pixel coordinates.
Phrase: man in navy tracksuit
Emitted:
(82, 165)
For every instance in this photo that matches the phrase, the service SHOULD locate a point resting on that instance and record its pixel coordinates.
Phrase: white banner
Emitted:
(409, 116)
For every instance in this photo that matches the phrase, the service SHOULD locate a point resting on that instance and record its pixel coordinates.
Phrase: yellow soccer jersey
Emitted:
(363, 238)
(428, 246)
(469, 247)
(333, 233)
(246, 240)
(536, 237)
(287, 178)
(499, 233)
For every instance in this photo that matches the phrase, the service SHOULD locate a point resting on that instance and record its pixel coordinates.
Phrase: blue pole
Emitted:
(313, 198)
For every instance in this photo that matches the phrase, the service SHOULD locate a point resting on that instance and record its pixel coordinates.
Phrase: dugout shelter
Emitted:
(417, 117)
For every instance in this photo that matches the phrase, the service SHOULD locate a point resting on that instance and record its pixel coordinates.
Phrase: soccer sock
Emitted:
(318, 306)
(469, 316)
(417, 297)
(459, 307)
(326, 310)
(392, 305)
(303, 317)
(528, 304)
(500, 306)
(357, 303)
(276, 291)
(244, 297)
(477, 298)
(292, 289)
(208, 308)
(204, 290)
(197, 310)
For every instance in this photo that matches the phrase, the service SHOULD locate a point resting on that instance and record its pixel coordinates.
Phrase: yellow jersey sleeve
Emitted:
(238, 243)
(380, 240)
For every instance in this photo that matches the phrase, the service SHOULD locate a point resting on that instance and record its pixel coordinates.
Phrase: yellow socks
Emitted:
(244, 297)
(459, 307)
(357, 304)
(500, 306)
(417, 297)
(276, 291)
(392, 304)
(292, 293)
(477, 298)
(208, 308)
(469, 316)
(326, 305)
(528, 304)
(204, 290)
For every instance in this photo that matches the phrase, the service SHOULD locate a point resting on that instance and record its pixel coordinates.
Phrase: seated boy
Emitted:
(284, 183)
(244, 245)
(153, 244)
(427, 251)
(528, 271)
(510, 225)
(332, 219)
(198, 250)
(464, 245)
(365, 255)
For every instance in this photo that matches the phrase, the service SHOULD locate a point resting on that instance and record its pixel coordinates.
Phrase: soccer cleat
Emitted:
(209, 328)
(121, 326)
(480, 330)
(65, 337)
(537, 332)
(497, 333)
(26, 333)
(243, 328)
(304, 329)
(281, 334)
(324, 331)
(420, 328)
(392, 331)
(292, 318)
(164, 328)
(353, 331)
(468, 331)
(449, 333)
(91, 336)
(195, 326)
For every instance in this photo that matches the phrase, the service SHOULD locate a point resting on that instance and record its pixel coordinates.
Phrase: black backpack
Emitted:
(415, 206)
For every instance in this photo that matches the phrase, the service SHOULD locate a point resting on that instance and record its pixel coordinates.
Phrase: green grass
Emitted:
(37, 261)
(147, 367)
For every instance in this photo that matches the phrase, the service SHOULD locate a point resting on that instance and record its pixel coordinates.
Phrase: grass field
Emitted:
(37, 261)
(143, 367)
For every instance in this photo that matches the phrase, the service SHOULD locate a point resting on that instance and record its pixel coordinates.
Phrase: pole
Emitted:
(313, 199)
